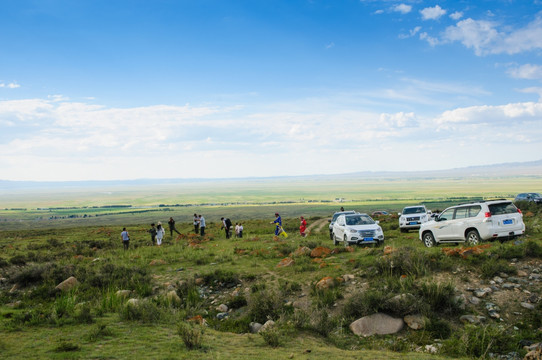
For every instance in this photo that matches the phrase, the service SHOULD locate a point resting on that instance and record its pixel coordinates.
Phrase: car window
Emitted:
(340, 220)
(359, 220)
(502, 208)
(461, 213)
(447, 215)
(413, 210)
(474, 210)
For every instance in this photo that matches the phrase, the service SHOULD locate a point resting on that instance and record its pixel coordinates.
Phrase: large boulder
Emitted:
(376, 324)
(67, 284)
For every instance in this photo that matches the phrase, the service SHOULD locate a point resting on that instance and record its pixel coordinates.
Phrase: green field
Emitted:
(255, 199)
(93, 320)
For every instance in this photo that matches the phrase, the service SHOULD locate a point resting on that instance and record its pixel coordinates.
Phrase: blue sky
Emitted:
(100, 90)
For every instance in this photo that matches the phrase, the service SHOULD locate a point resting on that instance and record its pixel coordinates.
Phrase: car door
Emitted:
(339, 226)
(460, 223)
(443, 229)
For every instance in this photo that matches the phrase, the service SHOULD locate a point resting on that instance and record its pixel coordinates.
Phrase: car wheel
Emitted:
(428, 239)
(331, 235)
(404, 230)
(335, 242)
(345, 241)
(473, 238)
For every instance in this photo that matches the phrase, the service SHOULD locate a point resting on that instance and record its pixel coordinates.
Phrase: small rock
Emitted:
(527, 306)
(268, 325)
(474, 300)
(469, 319)
(254, 327)
(326, 283)
(222, 315)
(222, 308)
(67, 284)
(522, 273)
(123, 293)
(133, 302)
(415, 322)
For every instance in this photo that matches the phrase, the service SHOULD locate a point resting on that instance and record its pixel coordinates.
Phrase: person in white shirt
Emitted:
(201, 220)
(160, 232)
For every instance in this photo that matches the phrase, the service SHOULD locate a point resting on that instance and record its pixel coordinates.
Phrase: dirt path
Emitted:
(317, 225)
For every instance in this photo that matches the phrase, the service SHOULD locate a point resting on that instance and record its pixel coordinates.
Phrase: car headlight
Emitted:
(352, 231)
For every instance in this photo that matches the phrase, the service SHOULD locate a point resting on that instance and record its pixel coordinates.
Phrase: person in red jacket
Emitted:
(303, 227)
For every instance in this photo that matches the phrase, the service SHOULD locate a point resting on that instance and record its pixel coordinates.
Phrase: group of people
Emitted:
(199, 224)
(158, 232)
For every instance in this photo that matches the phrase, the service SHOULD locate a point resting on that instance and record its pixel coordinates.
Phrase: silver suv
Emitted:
(334, 218)
(412, 217)
(474, 222)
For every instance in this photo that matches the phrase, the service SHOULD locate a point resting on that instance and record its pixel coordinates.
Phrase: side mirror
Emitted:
(377, 222)
(329, 220)
(399, 214)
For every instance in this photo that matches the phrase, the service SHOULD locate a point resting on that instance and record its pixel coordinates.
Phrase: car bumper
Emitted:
(356, 240)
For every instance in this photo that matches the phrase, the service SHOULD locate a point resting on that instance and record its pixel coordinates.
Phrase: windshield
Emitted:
(414, 210)
(359, 220)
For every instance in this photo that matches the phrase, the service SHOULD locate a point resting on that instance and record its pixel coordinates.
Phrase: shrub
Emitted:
(364, 303)
(479, 341)
(533, 249)
(440, 297)
(191, 335)
(83, 314)
(492, 267)
(237, 302)
(100, 331)
(404, 261)
(438, 328)
(326, 297)
(220, 276)
(145, 311)
(18, 260)
(264, 305)
(3, 263)
(271, 336)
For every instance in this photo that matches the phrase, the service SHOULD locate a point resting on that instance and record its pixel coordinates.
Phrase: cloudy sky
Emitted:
(102, 89)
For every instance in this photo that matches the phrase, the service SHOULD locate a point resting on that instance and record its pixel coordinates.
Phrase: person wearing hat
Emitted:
(278, 222)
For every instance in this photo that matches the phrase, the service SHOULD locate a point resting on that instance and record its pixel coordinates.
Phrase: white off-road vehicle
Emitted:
(413, 217)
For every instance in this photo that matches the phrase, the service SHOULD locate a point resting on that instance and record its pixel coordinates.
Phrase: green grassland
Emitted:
(254, 199)
(92, 320)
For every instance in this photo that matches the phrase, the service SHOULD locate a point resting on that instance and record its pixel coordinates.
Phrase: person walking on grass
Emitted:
(226, 225)
(201, 220)
(278, 223)
(160, 232)
(236, 230)
(196, 224)
(303, 227)
(125, 239)
(171, 224)
(240, 230)
(152, 231)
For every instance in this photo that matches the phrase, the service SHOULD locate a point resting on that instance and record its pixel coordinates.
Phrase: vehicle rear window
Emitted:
(502, 208)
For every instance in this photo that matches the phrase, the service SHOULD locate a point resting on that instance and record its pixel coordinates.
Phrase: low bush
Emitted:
(440, 298)
(100, 331)
(191, 335)
(264, 305)
(144, 311)
(480, 341)
(493, 266)
(271, 336)
(220, 276)
(65, 346)
(364, 303)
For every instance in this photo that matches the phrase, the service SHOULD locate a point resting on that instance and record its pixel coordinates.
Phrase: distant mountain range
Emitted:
(531, 168)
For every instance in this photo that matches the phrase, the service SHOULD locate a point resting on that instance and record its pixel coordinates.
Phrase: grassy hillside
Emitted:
(180, 286)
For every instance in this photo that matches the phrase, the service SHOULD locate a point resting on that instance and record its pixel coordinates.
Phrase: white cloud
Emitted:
(432, 13)
(379, 12)
(431, 40)
(411, 33)
(527, 71)
(10, 85)
(330, 45)
(485, 38)
(76, 141)
(456, 15)
(402, 8)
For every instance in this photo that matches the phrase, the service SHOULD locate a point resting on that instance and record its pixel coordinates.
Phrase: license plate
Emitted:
(368, 239)
(413, 223)
(507, 222)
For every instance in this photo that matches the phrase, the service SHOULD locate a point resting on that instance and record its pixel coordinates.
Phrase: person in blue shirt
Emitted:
(278, 222)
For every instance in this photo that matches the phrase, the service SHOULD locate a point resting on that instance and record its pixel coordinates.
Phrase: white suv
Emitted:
(474, 222)
(412, 217)
(357, 229)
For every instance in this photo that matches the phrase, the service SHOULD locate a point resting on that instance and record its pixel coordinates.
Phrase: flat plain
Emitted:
(179, 287)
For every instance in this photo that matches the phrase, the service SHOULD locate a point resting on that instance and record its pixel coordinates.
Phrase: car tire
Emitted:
(473, 238)
(345, 241)
(404, 230)
(335, 242)
(428, 239)
(331, 235)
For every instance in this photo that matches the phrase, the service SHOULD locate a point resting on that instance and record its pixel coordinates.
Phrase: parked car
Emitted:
(357, 229)
(473, 223)
(379, 213)
(534, 197)
(334, 218)
(412, 217)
